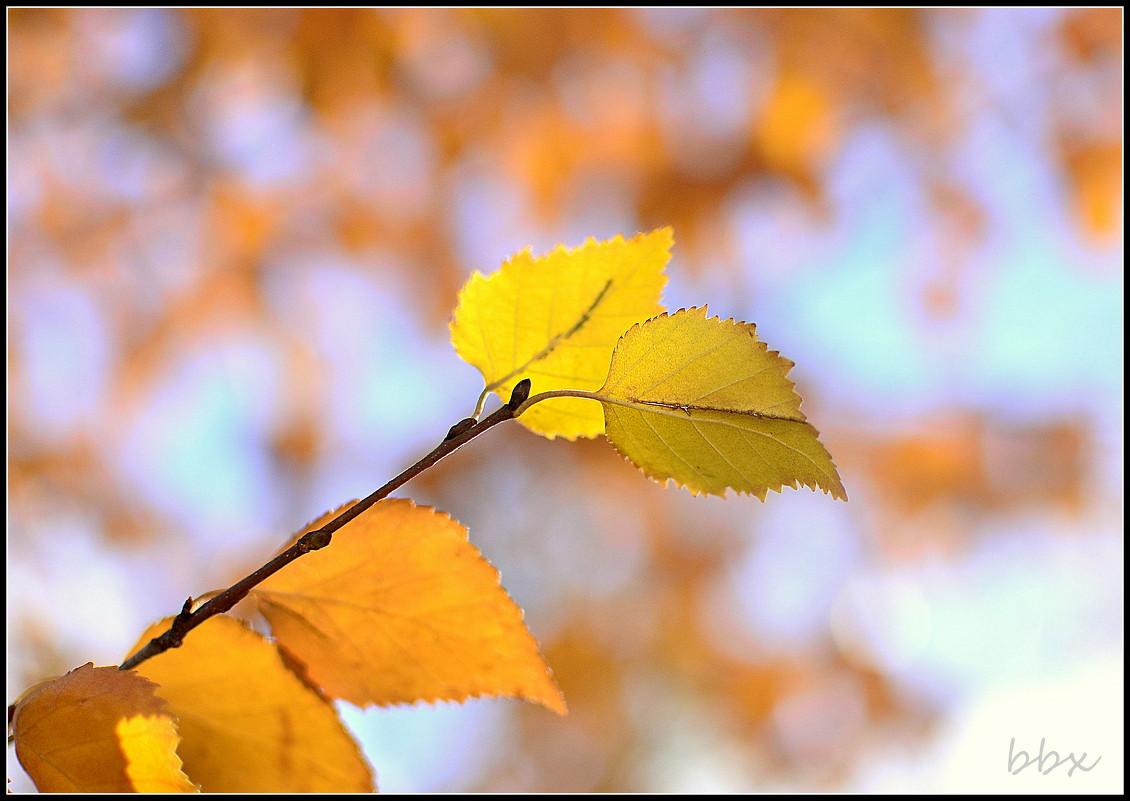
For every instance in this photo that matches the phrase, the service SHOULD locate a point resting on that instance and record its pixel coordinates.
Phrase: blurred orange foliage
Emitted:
(304, 191)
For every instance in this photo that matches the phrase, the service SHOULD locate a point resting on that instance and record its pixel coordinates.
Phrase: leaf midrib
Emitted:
(586, 315)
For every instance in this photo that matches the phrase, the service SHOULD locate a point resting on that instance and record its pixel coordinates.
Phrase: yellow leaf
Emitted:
(98, 730)
(555, 320)
(247, 723)
(703, 402)
(401, 608)
(149, 744)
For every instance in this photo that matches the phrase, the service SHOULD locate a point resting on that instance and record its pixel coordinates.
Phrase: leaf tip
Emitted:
(557, 705)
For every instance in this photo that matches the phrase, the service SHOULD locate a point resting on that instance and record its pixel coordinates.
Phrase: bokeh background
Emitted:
(235, 239)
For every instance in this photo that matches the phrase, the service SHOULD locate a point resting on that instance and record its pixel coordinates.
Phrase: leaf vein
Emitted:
(628, 371)
(791, 448)
(732, 383)
(674, 453)
(737, 469)
(577, 326)
(687, 364)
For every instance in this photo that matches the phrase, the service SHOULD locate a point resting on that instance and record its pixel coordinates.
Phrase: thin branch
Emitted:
(459, 435)
(560, 393)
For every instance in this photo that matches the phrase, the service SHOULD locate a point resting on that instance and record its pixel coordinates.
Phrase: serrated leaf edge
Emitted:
(702, 311)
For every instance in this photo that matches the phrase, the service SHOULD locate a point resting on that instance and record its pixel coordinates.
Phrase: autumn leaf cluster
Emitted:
(685, 397)
(403, 608)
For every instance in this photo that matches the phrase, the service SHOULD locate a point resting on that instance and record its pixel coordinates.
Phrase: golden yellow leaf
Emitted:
(98, 730)
(248, 724)
(555, 320)
(703, 402)
(401, 608)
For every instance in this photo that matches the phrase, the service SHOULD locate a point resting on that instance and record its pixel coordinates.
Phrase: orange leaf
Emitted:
(797, 126)
(402, 608)
(248, 724)
(1095, 171)
(98, 730)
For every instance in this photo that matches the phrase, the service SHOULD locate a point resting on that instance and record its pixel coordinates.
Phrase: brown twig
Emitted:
(460, 434)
